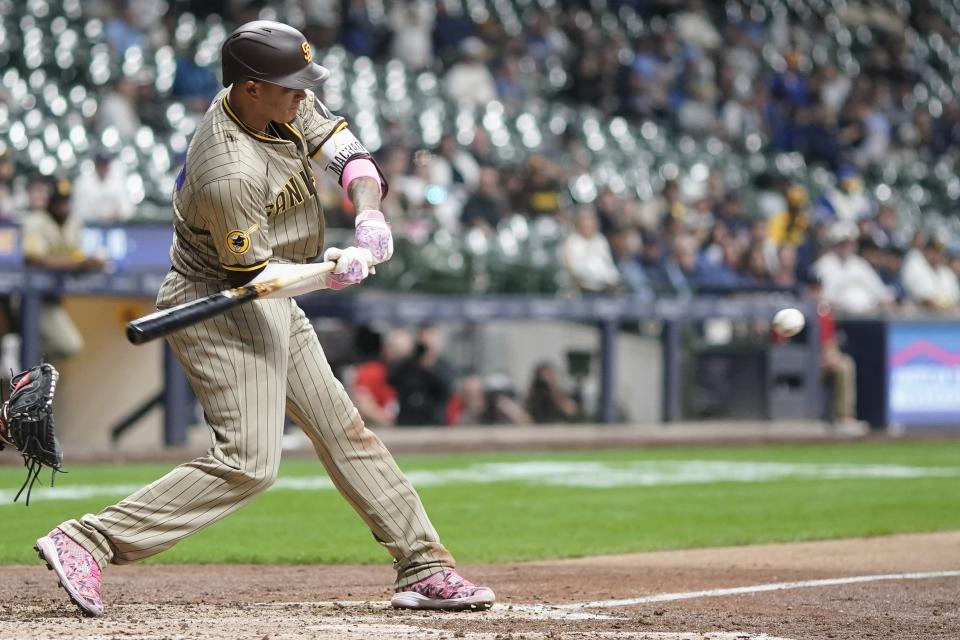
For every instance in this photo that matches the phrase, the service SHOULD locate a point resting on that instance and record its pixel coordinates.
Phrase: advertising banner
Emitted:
(923, 369)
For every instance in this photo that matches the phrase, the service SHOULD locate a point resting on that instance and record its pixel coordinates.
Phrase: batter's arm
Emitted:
(364, 194)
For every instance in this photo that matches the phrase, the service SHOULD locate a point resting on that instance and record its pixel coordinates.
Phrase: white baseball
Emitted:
(788, 322)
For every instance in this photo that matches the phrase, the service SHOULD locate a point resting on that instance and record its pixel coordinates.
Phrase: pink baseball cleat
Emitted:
(447, 590)
(76, 569)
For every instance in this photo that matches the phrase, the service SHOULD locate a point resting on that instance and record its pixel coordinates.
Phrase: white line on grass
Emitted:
(757, 588)
(585, 474)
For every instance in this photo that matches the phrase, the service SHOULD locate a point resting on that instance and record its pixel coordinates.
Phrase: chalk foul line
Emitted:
(757, 588)
(558, 610)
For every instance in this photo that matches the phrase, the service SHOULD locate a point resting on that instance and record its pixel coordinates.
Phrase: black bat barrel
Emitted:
(169, 320)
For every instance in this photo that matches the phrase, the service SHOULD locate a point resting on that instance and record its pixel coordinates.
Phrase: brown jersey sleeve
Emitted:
(318, 123)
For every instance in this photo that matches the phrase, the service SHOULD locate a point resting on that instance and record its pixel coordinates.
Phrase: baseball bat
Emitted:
(183, 315)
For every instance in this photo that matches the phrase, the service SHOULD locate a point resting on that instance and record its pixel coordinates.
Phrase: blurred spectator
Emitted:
(586, 79)
(51, 240)
(946, 130)
(839, 369)
(928, 278)
(547, 401)
(848, 200)
(452, 167)
(13, 195)
(678, 270)
(511, 88)
(118, 109)
(542, 187)
(785, 274)
(450, 28)
(626, 247)
(481, 149)
(834, 88)
(487, 206)
(651, 259)
(610, 211)
(770, 190)
(884, 228)
(38, 194)
(359, 34)
(698, 113)
(876, 140)
(477, 402)
(730, 213)
(194, 84)
(586, 255)
(543, 38)
(322, 21)
(100, 195)
(817, 136)
(121, 30)
(376, 400)
(789, 228)
(717, 267)
(411, 192)
(887, 262)
(695, 27)
(754, 266)
(850, 285)
(469, 80)
(742, 114)
(423, 381)
(791, 86)
(412, 23)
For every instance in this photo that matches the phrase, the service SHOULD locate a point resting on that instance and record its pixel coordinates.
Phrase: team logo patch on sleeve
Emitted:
(238, 241)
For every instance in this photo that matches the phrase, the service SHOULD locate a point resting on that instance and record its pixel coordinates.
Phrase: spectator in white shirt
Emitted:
(849, 200)
(118, 109)
(412, 24)
(928, 279)
(586, 255)
(850, 284)
(469, 80)
(100, 195)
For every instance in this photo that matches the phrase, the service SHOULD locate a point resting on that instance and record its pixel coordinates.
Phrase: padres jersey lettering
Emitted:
(246, 197)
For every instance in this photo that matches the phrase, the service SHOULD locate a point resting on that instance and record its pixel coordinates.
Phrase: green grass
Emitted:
(512, 521)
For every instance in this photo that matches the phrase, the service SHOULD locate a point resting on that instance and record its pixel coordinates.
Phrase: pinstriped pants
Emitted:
(247, 366)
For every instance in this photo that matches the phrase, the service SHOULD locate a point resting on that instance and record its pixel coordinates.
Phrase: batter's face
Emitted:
(259, 103)
(280, 104)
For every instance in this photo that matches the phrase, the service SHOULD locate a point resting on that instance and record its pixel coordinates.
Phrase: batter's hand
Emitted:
(373, 234)
(353, 266)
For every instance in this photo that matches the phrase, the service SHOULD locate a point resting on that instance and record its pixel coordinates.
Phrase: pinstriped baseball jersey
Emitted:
(246, 197)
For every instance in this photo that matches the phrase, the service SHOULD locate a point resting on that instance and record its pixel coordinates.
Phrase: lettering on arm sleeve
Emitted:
(341, 149)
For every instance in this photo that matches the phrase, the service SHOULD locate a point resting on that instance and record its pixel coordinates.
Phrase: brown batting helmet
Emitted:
(272, 52)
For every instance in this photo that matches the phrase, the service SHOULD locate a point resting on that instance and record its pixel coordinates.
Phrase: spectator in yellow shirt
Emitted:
(789, 228)
(52, 240)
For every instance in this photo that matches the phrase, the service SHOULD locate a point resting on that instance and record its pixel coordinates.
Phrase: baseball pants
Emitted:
(247, 367)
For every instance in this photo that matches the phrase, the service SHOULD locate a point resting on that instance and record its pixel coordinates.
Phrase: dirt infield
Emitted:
(657, 594)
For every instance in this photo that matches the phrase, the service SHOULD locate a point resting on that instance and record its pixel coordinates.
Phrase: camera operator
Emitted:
(423, 381)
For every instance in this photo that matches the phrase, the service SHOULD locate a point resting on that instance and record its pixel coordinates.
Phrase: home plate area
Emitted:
(351, 619)
(902, 586)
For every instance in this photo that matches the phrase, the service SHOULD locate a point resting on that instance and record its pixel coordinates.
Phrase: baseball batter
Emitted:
(246, 210)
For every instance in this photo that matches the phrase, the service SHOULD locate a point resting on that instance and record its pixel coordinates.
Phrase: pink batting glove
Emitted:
(353, 266)
(373, 234)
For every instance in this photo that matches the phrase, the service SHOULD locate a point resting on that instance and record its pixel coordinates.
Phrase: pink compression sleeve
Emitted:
(359, 168)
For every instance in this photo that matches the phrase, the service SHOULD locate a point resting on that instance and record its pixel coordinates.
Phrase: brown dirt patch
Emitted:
(279, 602)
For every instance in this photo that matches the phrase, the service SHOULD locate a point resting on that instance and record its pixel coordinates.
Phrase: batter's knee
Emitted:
(264, 476)
(254, 475)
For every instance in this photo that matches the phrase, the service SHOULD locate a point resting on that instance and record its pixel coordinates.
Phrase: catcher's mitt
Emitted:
(26, 423)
